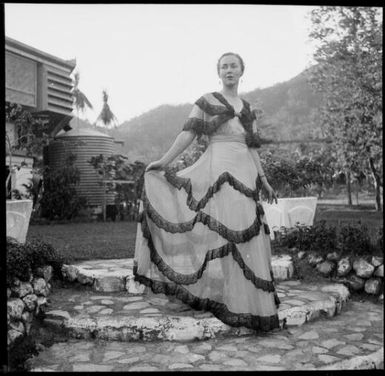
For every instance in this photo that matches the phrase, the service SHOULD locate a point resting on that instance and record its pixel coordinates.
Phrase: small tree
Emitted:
(349, 77)
(60, 199)
(114, 172)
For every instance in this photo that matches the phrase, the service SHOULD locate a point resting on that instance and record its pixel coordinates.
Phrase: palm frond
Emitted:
(106, 116)
(80, 99)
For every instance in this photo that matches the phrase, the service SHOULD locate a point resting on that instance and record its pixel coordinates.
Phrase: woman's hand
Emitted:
(156, 165)
(272, 194)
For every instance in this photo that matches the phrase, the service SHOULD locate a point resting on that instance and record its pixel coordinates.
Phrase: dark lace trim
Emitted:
(199, 126)
(213, 224)
(276, 298)
(220, 310)
(246, 117)
(253, 140)
(185, 183)
(188, 279)
(209, 108)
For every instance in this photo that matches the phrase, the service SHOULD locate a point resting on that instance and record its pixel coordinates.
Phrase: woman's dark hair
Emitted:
(231, 54)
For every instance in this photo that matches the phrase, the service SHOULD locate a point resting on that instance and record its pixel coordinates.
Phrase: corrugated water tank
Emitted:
(84, 144)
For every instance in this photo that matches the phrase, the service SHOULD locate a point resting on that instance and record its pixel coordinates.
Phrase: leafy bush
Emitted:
(295, 175)
(44, 254)
(355, 240)
(319, 238)
(18, 261)
(283, 175)
(60, 199)
(24, 259)
(351, 239)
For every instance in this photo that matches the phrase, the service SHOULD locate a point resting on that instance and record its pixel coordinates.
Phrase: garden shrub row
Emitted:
(349, 240)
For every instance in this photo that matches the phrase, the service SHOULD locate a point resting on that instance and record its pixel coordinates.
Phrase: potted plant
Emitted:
(292, 178)
(25, 137)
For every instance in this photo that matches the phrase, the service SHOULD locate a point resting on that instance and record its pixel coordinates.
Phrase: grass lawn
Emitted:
(87, 241)
(98, 240)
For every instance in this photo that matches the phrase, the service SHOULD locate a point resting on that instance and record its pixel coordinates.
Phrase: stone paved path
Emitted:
(125, 317)
(351, 340)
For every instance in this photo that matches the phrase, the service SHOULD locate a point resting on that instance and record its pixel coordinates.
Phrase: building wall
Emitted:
(20, 80)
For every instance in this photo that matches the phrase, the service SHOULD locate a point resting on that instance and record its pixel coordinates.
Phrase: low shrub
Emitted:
(351, 239)
(18, 262)
(24, 259)
(319, 238)
(355, 240)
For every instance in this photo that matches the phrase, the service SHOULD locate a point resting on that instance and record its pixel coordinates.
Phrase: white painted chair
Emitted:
(300, 214)
(274, 218)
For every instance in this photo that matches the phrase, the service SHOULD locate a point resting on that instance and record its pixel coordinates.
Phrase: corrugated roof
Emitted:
(11, 44)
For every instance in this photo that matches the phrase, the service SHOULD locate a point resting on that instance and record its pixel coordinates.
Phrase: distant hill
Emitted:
(148, 136)
(289, 109)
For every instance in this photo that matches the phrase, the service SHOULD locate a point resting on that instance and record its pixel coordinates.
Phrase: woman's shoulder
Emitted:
(207, 97)
(212, 98)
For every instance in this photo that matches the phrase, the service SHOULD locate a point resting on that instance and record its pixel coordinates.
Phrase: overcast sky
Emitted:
(146, 55)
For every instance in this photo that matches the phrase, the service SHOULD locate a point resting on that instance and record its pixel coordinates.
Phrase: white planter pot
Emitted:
(289, 212)
(18, 216)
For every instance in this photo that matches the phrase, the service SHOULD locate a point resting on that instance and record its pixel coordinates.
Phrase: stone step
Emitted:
(124, 317)
(351, 340)
(116, 274)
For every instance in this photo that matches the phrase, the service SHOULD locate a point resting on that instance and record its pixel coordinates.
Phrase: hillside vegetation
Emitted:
(289, 109)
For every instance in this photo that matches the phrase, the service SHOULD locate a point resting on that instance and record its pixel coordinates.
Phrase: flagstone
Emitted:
(112, 355)
(89, 367)
(309, 335)
(180, 366)
(270, 359)
(327, 358)
(354, 337)
(330, 343)
(129, 360)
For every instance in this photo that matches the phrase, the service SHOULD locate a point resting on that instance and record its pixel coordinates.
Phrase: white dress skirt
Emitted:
(203, 239)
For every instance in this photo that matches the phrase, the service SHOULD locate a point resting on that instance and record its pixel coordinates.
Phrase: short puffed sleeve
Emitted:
(195, 120)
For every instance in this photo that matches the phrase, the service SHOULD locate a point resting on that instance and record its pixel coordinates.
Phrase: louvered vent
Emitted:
(59, 91)
(56, 90)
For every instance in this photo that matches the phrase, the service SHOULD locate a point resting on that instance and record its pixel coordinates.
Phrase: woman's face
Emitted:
(230, 70)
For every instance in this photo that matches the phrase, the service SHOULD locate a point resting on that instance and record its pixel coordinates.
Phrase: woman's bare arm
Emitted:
(182, 141)
(261, 173)
(257, 162)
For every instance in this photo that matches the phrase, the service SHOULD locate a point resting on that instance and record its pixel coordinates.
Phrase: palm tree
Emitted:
(80, 99)
(106, 116)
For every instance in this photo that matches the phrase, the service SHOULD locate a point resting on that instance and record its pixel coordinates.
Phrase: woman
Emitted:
(203, 236)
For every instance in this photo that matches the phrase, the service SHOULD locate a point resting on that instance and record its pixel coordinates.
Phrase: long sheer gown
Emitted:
(202, 236)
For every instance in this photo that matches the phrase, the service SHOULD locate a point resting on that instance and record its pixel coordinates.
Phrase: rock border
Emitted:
(25, 300)
(356, 273)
